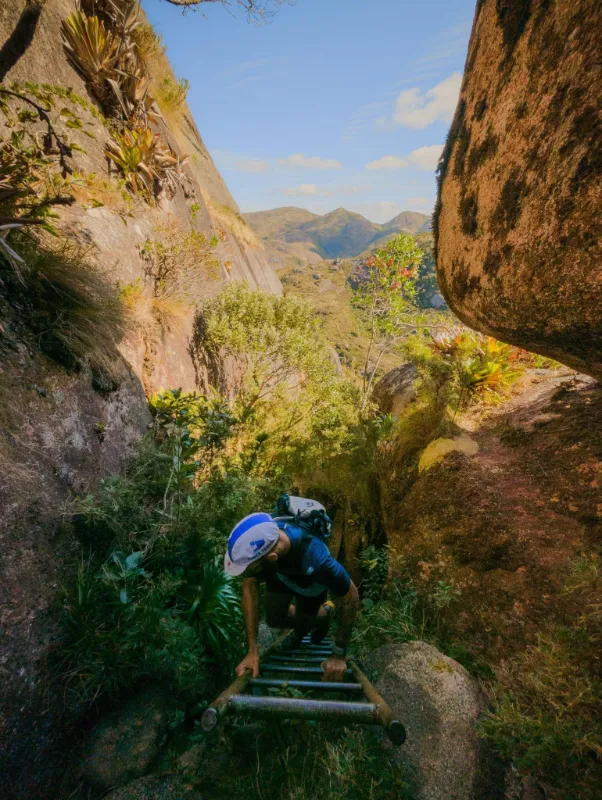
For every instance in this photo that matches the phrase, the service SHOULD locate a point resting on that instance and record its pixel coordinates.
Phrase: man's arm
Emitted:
(347, 606)
(250, 612)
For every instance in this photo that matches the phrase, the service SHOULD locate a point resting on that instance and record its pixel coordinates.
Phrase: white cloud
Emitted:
(416, 110)
(425, 158)
(305, 190)
(380, 211)
(387, 162)
(310, 189)
(310, 162)
(362, 120)
(423, 204)
(254, 165)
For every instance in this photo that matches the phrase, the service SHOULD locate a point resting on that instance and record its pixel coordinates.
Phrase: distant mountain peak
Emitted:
(338, 234)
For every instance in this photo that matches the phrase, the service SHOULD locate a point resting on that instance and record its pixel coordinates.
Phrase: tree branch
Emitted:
(64, 150)
(258, 11)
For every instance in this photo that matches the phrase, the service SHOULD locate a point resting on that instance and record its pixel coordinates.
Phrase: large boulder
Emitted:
(396, 389)
(439, 704)
(517, 224)
(124, 744)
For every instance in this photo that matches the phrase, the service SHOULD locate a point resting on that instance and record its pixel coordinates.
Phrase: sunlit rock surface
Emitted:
(517, 223)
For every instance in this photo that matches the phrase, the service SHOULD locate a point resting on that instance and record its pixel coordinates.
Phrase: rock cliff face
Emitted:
(58, 434)
(160, 358)
(518, 223)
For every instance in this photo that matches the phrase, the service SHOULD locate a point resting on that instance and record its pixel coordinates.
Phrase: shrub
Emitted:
(275, 341)
(177, 260)
(375, 565)
(296, 410)
(151, 600)
(171, 93)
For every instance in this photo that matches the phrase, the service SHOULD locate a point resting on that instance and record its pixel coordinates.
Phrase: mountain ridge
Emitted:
(338, 234)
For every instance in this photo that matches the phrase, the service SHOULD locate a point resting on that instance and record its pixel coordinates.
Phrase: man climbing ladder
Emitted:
(290, 556)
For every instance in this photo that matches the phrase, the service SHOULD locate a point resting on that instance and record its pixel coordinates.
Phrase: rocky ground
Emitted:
(506, 525)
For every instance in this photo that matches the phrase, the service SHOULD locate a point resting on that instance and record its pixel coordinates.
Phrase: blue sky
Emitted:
(334, 103)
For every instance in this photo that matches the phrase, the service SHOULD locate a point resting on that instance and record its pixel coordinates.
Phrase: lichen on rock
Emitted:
(517, 223)
(439, 703)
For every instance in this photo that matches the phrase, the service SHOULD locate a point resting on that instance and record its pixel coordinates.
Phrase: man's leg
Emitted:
(277, 605)
(311, 615)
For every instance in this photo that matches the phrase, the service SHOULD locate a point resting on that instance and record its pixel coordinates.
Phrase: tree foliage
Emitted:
(387, 295)
(275, 341)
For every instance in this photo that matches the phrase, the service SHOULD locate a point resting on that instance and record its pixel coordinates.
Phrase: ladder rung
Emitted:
(298, 659)
(300, 670)
(331, 687)
(308, 652)
(307, 640)
(303, 708)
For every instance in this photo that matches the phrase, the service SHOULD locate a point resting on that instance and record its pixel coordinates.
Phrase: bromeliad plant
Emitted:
(134, 153)
(94, 51)
(482, 365)
(147, 165)
(100, 43)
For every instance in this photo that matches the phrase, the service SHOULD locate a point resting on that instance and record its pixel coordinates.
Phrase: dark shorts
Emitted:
(310, 605)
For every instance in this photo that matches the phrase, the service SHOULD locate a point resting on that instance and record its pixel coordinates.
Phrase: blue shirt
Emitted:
(308, 568)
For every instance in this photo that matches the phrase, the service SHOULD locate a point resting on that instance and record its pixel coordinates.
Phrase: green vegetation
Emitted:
(426, 278)
(288, 387)
(171, 94)
(548, 698)
(386, 294)
(103, 45)
(35, 173)
(311, 760)
(148, 166)
(176, 258)
(151, 600)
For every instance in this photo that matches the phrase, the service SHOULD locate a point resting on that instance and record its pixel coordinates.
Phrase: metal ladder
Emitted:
(301, 669)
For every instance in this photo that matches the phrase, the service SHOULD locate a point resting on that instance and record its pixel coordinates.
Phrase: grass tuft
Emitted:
(74, 310)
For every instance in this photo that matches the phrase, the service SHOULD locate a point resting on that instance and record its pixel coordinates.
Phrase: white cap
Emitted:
(251, 538)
